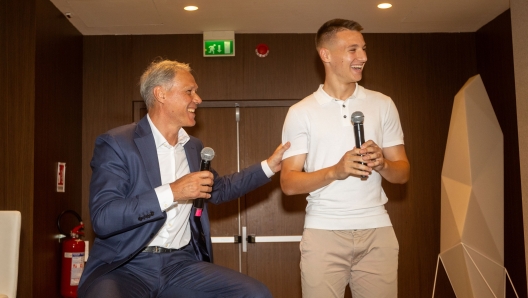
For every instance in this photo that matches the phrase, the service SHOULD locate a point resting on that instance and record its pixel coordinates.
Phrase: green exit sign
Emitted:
(218, 48)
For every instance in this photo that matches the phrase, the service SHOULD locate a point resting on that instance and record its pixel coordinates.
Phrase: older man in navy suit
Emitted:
(145, 176)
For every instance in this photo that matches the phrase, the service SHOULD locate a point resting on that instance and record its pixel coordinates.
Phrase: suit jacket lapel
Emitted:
(193, 159)
(147, 148)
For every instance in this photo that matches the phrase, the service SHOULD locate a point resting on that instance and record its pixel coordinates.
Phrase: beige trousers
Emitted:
(367, 260)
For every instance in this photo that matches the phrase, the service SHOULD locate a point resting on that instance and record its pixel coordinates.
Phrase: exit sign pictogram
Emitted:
(218, 48)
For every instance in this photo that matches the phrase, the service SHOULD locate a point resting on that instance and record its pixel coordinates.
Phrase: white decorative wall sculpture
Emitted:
(472, 220)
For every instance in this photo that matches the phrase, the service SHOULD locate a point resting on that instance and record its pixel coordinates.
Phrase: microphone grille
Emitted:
(357, 117)
(207, 153)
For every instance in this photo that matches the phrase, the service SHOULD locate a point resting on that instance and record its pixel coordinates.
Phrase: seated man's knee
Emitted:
(259, 290)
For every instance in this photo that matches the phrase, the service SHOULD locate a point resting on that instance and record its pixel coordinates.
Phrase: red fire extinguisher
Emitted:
(72, 261)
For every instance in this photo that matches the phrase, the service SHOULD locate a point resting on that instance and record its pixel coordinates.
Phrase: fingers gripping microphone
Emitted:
(357, 120)
(207, 155)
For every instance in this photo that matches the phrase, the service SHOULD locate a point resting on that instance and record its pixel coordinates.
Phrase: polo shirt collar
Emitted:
(323, 98)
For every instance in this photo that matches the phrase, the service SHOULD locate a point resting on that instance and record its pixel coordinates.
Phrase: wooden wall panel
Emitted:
(17, 98)
(40, 84)
(495, 65)
(108, 85)
(291, 70)
(412, 69)
(217, 78)
(269, 212)
(217, 128)
(58, 106)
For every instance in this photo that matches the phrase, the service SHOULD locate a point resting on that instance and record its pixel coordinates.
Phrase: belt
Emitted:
(159, 249)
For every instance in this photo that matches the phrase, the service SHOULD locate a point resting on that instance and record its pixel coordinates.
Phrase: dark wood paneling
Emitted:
(108, 86)
(217, 78)
(17, 98)
(269, 212)
(216, 127)
(58, 105)
(495, 65)
(291, 69)
(412, 70)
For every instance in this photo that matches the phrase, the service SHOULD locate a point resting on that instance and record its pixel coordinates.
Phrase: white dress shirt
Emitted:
(173, 164)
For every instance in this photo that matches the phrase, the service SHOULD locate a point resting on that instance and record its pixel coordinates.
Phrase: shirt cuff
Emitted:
(165, 197)
(267, 170)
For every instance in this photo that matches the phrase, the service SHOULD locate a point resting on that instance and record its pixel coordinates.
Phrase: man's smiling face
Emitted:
(347, 53)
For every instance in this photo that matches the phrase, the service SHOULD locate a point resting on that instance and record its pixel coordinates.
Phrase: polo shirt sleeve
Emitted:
(295, 131)
(392, 130)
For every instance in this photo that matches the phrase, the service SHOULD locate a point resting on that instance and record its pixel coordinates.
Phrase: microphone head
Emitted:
(207, 154)
(357, 117)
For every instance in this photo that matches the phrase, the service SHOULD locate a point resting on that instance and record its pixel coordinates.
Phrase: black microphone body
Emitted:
(205, 165)
(207, 155)
(359, 135)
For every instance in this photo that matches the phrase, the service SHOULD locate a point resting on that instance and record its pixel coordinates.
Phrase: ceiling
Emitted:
(144, 17)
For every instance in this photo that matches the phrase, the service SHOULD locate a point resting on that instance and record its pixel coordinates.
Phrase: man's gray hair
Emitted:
(159, 73)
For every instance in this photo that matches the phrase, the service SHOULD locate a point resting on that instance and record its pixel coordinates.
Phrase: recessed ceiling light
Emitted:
(191, 8)
(384, 5)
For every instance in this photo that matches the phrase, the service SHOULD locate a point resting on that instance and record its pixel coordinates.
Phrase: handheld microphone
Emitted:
(207, 155)
(357, 119)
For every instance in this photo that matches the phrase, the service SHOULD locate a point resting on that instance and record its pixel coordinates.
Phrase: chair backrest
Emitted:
(10, 222)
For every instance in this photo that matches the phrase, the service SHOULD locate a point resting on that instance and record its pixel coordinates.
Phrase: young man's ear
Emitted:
(324, 54)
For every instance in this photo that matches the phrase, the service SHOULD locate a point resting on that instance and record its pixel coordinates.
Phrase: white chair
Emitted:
(10, 222)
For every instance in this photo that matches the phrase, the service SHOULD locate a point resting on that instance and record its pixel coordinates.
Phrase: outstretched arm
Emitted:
(229, 187)
(275, 160)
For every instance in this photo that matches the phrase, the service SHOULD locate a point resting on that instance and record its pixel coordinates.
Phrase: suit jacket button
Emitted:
(140, 218)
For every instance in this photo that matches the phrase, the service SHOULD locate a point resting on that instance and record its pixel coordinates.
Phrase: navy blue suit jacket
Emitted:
(124, 208)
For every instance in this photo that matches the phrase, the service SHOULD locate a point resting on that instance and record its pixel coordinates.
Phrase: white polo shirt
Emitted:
(320, 126)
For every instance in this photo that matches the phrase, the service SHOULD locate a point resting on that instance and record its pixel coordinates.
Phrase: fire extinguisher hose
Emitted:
(74, 230)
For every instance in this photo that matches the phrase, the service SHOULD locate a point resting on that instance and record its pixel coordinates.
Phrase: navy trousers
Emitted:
(174, 275)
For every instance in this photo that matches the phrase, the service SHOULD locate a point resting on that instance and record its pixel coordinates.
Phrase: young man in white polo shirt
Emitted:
(348, 236)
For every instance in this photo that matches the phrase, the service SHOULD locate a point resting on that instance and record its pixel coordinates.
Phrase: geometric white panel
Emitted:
(487, 276)
(472, 208)
(472, 274)
(453, 221)
(455, 267)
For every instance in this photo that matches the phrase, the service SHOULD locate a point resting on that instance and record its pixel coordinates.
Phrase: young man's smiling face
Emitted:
(347, 55)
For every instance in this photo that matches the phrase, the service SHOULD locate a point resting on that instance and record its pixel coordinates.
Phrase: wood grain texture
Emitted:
(269, 212)
(410, 68)
(58, 120)
(216, 127)
(40, 83)
(17, 110)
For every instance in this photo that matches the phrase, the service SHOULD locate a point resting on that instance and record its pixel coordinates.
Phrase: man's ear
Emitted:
(324, 54)
(159, 94)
